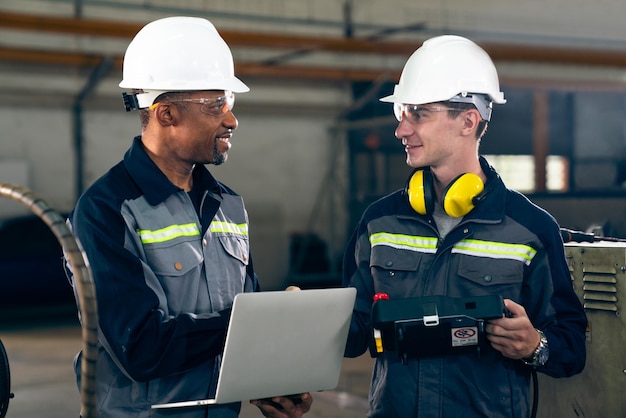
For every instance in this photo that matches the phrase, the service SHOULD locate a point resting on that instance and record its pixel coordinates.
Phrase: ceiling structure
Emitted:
(55, 50)
(261, 40)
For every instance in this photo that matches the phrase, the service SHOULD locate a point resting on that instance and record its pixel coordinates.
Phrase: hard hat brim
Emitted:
(237, 86)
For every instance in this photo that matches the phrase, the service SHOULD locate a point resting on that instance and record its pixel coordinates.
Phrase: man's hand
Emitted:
(285, 406)
(515, 337)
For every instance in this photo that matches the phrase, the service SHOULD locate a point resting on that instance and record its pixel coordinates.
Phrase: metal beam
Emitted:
(113, 29)
(50, 57)
(498, 51)
(243, 69)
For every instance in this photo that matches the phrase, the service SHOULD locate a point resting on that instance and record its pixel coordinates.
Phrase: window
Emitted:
(518, 172)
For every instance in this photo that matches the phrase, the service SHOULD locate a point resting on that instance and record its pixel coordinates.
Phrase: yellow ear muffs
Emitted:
(458, 197)
(419, 190)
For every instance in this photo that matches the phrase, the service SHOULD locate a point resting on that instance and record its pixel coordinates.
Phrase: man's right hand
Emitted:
(285, 406)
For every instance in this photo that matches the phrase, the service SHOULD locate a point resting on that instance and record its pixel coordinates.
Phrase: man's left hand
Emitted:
(285, 406)
(515, 336)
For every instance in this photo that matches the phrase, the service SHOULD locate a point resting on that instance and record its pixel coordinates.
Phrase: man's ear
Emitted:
(471, 120)
(165, 114)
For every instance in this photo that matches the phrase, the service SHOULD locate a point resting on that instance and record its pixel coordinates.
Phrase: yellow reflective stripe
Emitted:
(168, 233)
(229, 227)
(491, 249)
(405, 242)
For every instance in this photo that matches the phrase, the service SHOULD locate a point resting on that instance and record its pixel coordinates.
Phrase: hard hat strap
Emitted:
(137, 101)
(130, 102)
(148, 97)
(482, 102)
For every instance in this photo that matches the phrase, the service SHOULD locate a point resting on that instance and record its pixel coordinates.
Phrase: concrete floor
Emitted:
(40, 359)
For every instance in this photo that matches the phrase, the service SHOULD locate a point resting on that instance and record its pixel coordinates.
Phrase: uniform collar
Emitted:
(491, 208)
(154, 184)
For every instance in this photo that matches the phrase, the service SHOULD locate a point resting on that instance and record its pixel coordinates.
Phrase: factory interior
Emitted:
(314, 148)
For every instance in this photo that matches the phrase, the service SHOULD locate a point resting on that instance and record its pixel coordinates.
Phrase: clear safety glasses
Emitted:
(214, 106)
(415, 113)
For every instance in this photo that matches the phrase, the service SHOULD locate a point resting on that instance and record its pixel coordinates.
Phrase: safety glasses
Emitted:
(216, 106)
(415, 113)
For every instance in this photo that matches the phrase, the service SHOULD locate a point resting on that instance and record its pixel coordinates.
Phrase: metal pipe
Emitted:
(82, 283)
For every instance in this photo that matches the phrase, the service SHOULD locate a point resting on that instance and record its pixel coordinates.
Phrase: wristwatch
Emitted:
(541, 353)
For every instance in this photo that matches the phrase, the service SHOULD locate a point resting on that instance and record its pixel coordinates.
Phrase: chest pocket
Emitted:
(173, 259)
(178, 267)
(225, 267)
(173, 250)
(483, 275)
(393, 269)
(235, 246)
(488, 266)
(233, 239)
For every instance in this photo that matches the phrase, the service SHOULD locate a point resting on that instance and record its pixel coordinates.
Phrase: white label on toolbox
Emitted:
(464, 336)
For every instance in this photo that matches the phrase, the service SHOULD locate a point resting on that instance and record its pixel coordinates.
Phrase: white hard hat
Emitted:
(449, 68)
(178, 54)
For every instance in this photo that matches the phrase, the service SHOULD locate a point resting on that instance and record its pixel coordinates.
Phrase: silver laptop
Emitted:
(282, 343)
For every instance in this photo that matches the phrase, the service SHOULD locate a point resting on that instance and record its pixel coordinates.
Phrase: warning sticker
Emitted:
(464, 336)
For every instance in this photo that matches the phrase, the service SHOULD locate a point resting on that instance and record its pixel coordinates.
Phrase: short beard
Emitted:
(218, 157)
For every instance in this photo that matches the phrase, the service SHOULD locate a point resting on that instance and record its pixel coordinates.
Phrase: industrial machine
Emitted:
(598, 271)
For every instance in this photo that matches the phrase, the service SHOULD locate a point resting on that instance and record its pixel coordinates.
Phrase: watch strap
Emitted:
(541, 353)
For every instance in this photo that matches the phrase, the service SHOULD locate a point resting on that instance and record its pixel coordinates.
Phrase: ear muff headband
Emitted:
(458, 197)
